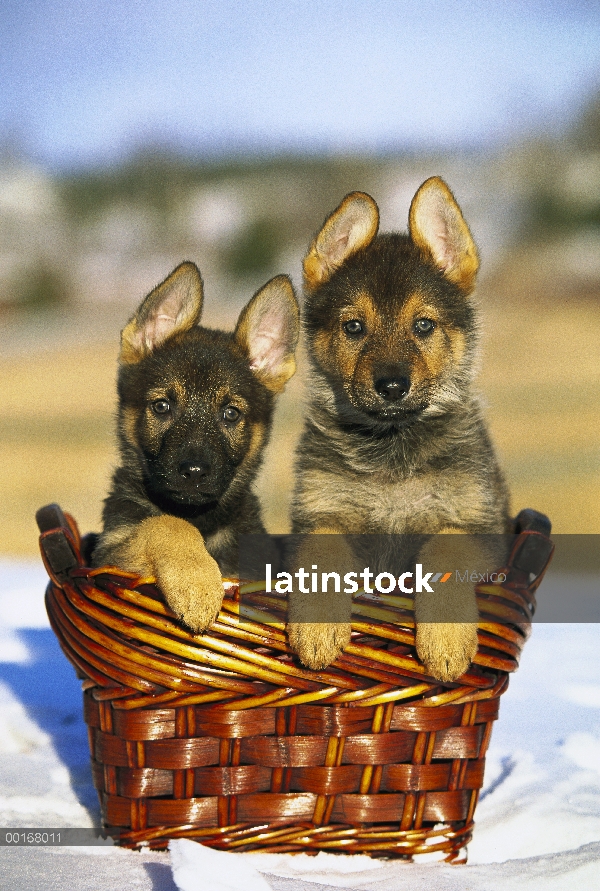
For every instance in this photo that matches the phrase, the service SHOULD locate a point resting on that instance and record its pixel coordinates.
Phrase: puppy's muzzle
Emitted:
(392, 389)
(194, 471)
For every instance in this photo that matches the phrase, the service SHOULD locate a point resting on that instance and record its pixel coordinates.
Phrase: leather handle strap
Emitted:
(54, 542)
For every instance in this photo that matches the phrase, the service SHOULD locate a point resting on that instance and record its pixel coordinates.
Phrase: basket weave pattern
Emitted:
(226, 738)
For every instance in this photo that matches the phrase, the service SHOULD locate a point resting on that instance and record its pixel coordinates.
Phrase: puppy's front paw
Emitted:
(446, 649)
(318, 644)
(173, 551)
(194, 592)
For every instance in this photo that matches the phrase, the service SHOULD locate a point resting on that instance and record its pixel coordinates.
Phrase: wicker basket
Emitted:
(227, 739)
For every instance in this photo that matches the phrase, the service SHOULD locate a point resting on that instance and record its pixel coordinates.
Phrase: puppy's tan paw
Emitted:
(446, 649)
(318, 644)
(194, 593)
(189, 578)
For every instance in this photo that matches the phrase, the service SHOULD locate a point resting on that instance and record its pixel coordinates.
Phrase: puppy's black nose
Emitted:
(194, 470)
(392, 388)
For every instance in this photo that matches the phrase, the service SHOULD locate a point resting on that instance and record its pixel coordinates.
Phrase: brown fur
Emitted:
(394, 440)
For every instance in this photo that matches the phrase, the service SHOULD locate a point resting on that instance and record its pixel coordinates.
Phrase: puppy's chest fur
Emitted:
(411, 481)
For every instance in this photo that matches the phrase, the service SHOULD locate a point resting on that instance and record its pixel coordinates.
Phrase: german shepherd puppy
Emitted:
(195, 409)
(394, 441)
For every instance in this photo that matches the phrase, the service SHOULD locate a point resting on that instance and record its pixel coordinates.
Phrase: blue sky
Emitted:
(84, 81)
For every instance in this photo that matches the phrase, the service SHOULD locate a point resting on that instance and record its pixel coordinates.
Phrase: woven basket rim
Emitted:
(108, 609)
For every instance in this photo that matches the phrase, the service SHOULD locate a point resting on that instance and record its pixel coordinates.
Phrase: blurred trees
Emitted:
(97, 236)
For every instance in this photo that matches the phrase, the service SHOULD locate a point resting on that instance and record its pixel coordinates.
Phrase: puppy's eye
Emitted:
(424, 326)
(231, 414)
(161, 407)
(354, 328)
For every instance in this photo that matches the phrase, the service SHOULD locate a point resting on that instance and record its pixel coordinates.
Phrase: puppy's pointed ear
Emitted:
(349, 228)
(437, 227)
(267, 331)
(172, 307)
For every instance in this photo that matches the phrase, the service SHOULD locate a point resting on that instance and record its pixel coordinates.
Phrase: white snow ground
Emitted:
(538, 821)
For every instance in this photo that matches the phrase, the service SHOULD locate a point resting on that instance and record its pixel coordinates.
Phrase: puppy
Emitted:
(394, 440)
(195, 409)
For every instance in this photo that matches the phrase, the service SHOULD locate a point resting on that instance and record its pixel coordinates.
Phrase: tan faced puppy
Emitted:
(394, 440)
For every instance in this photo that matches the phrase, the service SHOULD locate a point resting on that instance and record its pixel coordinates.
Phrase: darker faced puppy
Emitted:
(394, 439)
(195, 409)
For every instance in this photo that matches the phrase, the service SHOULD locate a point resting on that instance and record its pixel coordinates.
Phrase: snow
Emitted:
(537, 823)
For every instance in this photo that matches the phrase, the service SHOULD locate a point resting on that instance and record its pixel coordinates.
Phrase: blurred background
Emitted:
(136, 135)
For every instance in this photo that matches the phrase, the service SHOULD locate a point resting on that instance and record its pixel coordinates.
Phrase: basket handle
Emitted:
(51, 517)
(55, 533)
(534, 548)
(530, 520)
